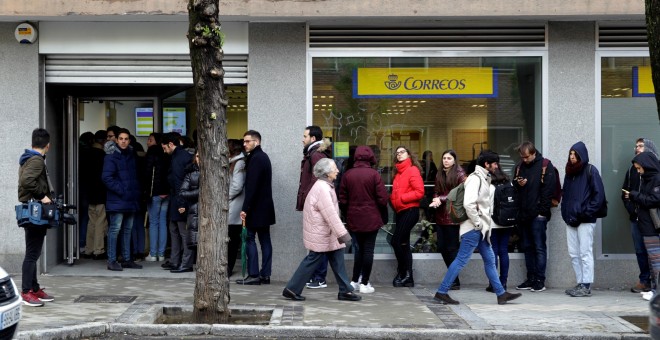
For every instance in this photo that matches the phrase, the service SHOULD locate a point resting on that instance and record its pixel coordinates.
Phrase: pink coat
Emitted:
(321, 223)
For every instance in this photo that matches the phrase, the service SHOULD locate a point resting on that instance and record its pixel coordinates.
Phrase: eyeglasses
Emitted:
(401, 152)
(245, 141)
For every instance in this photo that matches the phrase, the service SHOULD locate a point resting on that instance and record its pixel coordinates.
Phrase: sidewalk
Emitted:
(388, 313)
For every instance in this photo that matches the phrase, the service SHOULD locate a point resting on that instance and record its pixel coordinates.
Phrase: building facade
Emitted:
(431, 75)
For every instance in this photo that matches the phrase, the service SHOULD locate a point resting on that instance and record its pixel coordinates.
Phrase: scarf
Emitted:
(574, 169)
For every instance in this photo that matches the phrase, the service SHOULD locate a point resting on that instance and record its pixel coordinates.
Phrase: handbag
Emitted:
(655, 217)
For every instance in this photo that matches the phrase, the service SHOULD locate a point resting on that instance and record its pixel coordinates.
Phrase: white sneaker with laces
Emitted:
(366, 289)
(355, 285)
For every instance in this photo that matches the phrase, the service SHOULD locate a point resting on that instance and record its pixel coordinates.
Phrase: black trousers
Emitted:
(234, 245)
(364, 257)
(34, 241)
(448, 243)
(405, 221)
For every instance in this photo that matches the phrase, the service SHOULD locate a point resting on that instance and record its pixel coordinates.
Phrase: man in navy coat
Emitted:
(258, 210)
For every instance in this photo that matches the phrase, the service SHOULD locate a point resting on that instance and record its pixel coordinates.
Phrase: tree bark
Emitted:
(653, 32)
(212, 284)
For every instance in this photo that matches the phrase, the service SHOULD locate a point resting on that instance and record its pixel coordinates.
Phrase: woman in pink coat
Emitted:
(323, 234)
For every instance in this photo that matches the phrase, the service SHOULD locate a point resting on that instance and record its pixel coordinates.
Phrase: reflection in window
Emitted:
(428, 124)
(626, 115)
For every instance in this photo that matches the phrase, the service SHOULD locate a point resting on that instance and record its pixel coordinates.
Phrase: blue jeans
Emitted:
(534, 244)
(138, 233)
(642, 255)
(311, 262)
(123, 222)
(322, 270)
(266, 252)
(158, 225)
(500, 240)
(469, 242)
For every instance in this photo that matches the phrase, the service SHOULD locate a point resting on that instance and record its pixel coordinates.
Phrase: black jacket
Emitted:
(157, 168)
(91, 168)
(535, 197)
(649, 195)
(632, 182)
(258, 203)
(189, 192)
(180, 159)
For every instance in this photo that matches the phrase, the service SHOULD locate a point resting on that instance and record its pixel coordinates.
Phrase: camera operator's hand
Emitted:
(46, 200)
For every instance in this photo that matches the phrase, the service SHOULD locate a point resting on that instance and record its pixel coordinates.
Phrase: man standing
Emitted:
(123, 198)
(258, 210)
(633, 182)
(313, 151)
(535, 189)
(33, 185)
(96, 194)
(181, 260)
(475, 231)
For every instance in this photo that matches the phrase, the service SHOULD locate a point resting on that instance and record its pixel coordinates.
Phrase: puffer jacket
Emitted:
(236, 192)
(321, 223)
(121, 179)
(189, 192)
(477, 203)
(581, 199)
(407, 186)
(649, 195)
(362, 193)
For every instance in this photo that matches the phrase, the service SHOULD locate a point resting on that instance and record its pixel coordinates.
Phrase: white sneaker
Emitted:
(151, 258)
(366, 289)
(647, 295)
(355, 285)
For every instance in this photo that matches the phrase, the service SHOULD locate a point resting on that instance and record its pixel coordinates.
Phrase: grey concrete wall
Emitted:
(277, 102)
(19, 113)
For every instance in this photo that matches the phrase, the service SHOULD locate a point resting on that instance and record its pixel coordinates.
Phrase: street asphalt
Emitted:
(94, 303)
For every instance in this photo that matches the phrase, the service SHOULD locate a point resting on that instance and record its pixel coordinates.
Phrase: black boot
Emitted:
(397, 280)
(407, 280)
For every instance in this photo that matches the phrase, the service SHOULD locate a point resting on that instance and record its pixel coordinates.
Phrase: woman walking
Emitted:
(447, 231)
(323, 235)
(407, 191)
(362, 195)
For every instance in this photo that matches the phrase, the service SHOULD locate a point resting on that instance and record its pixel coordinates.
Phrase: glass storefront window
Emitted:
(354, 107)
(627, 113)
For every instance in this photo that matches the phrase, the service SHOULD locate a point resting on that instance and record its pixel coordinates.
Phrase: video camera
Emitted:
(50, 215)
(63, 208)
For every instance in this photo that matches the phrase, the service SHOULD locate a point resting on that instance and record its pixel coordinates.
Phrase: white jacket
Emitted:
(477, 202)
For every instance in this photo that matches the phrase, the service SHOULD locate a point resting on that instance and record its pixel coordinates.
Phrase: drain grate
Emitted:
(105, 299)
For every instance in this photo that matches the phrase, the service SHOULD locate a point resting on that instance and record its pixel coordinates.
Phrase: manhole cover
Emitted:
(105, 299)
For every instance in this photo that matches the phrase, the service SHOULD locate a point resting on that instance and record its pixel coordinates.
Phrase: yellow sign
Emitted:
(642, 82)
(439, 82)
(340, 149)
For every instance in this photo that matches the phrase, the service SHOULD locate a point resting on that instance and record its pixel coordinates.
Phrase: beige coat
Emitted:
(321, 223)
(477, 202)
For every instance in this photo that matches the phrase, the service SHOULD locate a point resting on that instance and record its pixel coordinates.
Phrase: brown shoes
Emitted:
(444, 299)
(506, 297)
(640, 287)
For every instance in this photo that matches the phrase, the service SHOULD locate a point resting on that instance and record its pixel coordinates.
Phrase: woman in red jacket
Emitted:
(407, 191)
(447, 231)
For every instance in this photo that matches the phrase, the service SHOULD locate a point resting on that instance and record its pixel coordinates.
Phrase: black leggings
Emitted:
(405, 221)
(364, 257)
(234, 246)
(448, 244)
(34, 241)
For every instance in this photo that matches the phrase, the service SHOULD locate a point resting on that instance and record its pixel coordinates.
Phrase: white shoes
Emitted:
(648, 295)
(355, 285)
(366, 289)
(151, 258)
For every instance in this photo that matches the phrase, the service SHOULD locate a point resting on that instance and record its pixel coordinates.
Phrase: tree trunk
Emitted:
(653, 31)
(205, 41)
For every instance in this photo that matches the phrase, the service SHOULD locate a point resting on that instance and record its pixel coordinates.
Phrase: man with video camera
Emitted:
(33, 185)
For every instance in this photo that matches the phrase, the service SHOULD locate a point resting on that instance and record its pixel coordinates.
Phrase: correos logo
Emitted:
(392, 83)
(413, 84)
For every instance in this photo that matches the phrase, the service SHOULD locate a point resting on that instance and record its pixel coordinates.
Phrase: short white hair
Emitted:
(323, 167)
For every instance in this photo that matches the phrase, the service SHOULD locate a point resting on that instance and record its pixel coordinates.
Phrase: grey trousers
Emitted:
(181, 255)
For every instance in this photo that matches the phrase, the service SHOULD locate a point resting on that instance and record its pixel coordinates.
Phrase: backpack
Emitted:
(454, 206)
(505, 209)
(602, 211)
(556, 193)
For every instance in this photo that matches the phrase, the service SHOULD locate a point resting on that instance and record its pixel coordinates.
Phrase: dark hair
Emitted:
(186, 142)
(254, 134)
(498, 177)
(100, 136)
(157, 136)
(40, 138)
(316, 132)
(526, 146)
(170, 137)
(412, 156)
(447, 180)
(114, 129)
(487, 156)
(135, 144)
(426, 154)
(86, 139)
(123, 130)
(235, 147)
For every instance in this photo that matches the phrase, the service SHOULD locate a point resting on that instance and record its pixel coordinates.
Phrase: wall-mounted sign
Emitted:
(25, 33)
(144, 121)
(340, 149)
(642, 85)
(174, 120)
(439, 82)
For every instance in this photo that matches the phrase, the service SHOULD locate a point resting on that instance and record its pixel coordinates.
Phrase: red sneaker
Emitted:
(41, 295)
(29, 299)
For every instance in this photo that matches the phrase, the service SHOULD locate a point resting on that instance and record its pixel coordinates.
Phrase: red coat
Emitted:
(407, 187)
(307, 179)
(362, 193)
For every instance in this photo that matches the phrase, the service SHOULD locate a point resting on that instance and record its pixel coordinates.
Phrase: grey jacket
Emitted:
(236, 192)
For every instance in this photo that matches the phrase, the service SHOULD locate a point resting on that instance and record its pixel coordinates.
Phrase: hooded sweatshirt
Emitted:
(649, 194)
(581, 197)
(632, 181)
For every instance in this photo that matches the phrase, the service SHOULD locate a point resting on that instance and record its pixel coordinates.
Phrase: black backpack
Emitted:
(505, 209)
